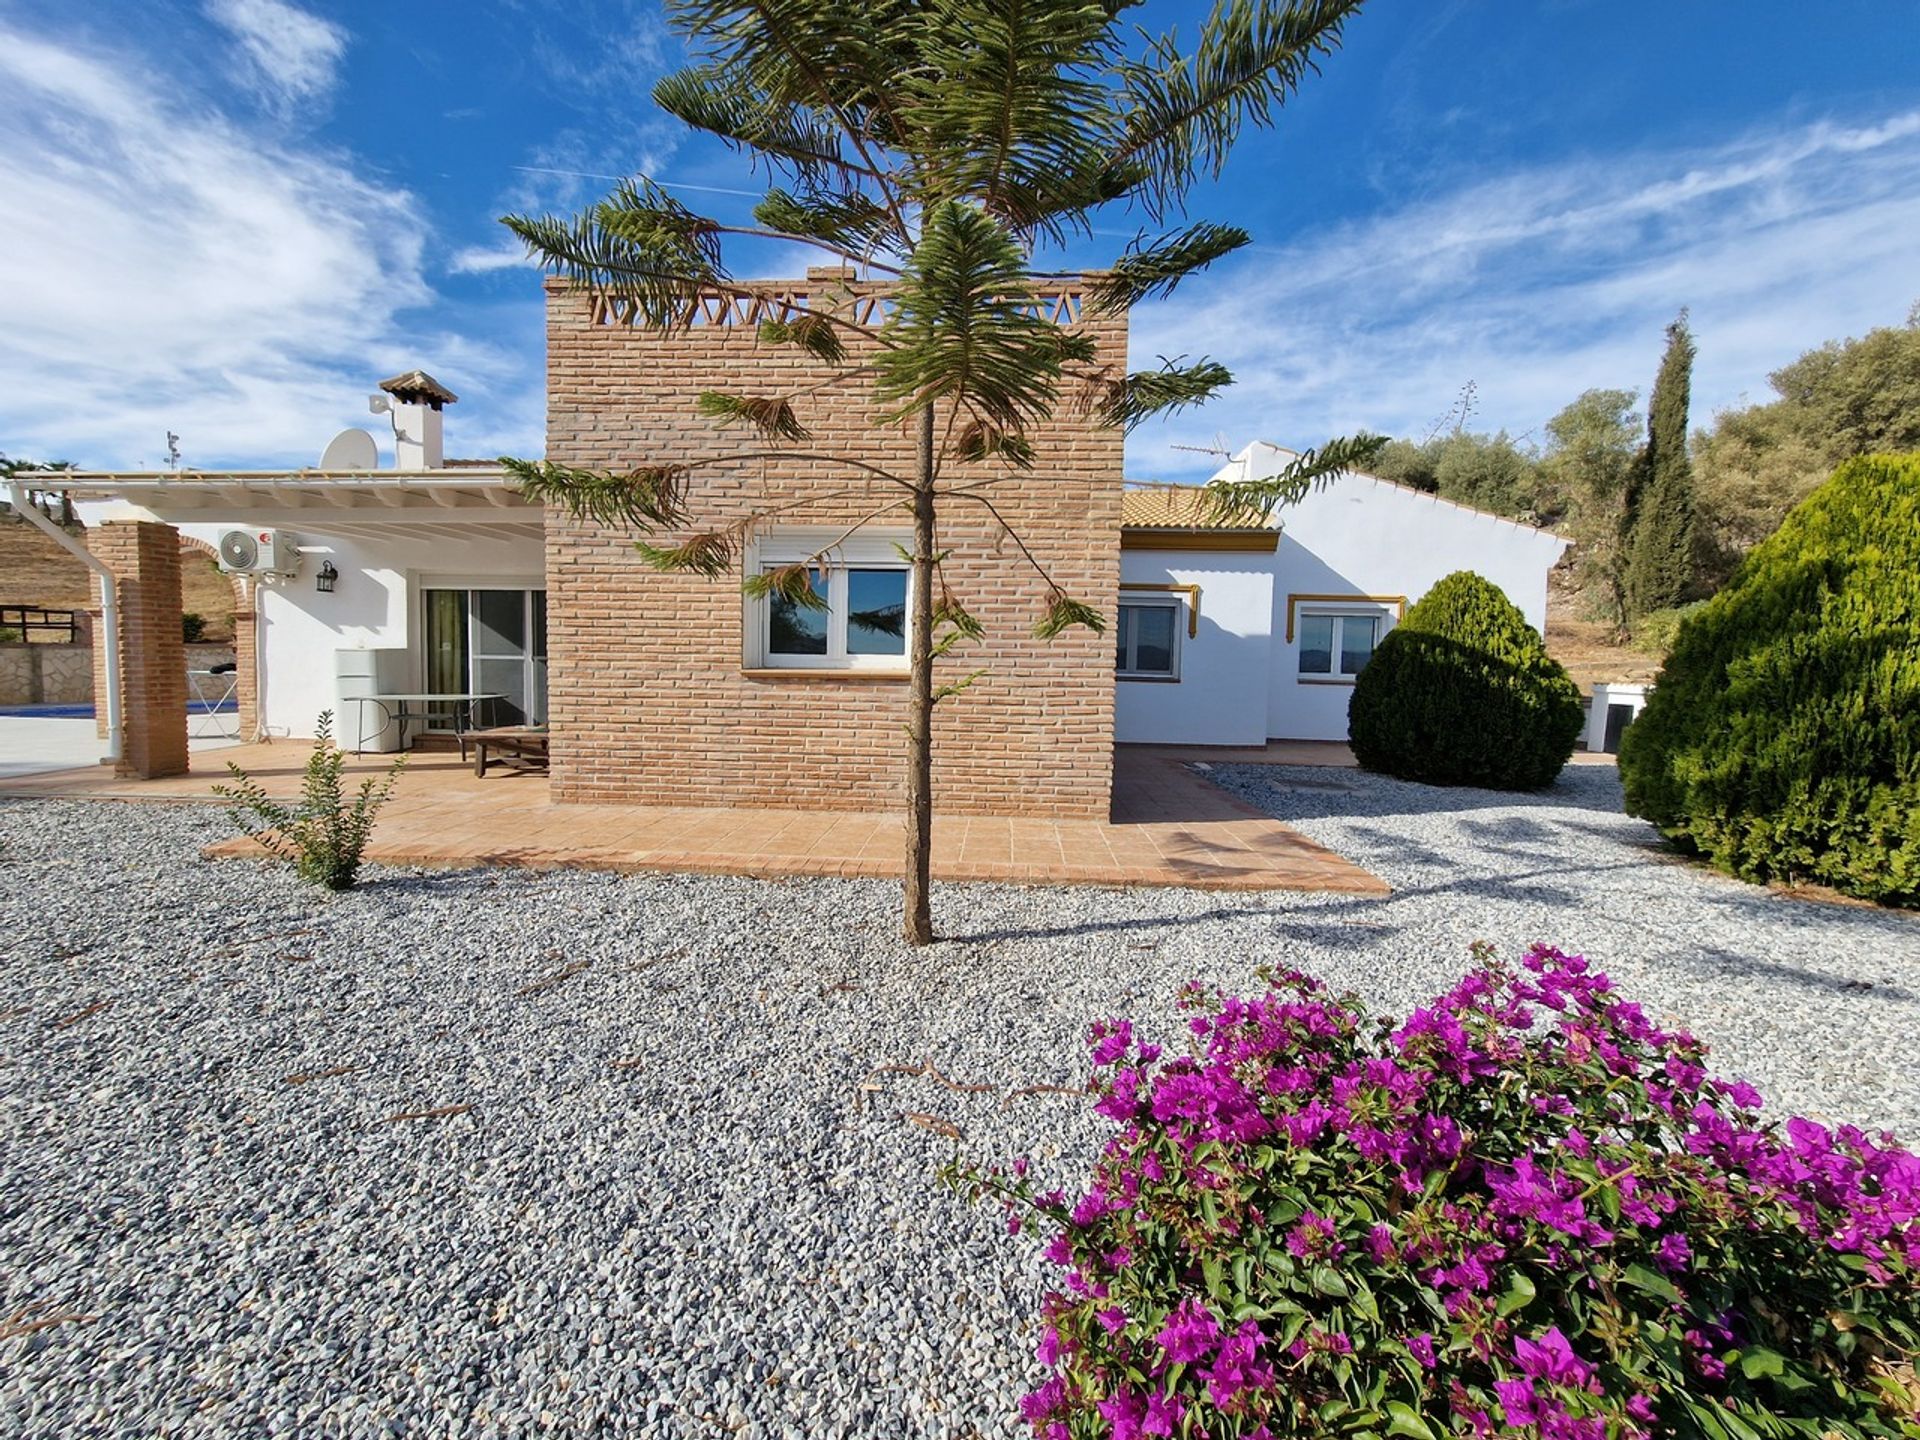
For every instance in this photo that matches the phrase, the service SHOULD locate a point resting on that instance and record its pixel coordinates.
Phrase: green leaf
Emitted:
(1654, 1283)
(1403, 1419)
(1758, 1361)
(1328, 1281)
(1520, 1293)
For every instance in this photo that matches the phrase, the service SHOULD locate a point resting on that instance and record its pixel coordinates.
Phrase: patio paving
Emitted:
(1169, 827)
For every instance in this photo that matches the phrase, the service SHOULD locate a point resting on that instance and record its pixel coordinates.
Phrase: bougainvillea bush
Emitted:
(1526, 1209)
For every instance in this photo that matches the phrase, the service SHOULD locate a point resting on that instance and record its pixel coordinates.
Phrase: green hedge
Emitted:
(1463, 692)
(1782, 740)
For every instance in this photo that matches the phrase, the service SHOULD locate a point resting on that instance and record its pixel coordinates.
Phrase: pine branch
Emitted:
(709, 553)
(811, 333)
(770, 415)
(1304, 473)
(649, 497)
(792, 583)
(1128, 401)
(1156, 269)
(1185, 113)
(1064, 612)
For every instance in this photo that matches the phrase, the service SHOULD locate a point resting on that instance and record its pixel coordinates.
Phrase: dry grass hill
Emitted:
(35, 571)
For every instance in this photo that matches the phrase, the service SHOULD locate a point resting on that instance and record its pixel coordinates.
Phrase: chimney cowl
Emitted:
(416, 387)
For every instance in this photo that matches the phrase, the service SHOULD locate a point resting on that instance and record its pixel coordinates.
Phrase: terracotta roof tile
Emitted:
(1182, 507)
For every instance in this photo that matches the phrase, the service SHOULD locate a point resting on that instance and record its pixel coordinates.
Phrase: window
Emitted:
(1336, 646)
(491, 641)
(860, 622)
(1146, 640)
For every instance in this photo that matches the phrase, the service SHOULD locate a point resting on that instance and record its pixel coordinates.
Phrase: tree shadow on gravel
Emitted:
(1121, 925)
(1289, 793)
(1716, 960)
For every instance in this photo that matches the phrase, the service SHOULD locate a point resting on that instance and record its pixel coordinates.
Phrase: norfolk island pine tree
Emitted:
(937, 145)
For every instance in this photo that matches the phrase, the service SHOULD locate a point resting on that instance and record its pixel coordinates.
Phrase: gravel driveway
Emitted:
(652, 1182)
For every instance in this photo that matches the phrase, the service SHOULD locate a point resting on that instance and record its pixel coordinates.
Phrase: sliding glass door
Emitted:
(488, 642)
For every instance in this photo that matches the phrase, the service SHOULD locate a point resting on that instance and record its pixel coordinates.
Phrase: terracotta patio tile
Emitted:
(1169, 827)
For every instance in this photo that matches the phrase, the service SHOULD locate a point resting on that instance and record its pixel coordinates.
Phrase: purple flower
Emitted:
(1380, 1244)
(1113, 1320)
(1551, 1358)
(1189, 1334)
(1236, 1368)
(1126, 1412)
(1043, 1402)
(1674, 1252)
(1111, 1040)
(1421, 1348)
(1164, 1414)
(1519, 1400)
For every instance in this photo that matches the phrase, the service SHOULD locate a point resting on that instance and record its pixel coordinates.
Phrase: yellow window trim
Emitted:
(1192, 592)
(1399, 602)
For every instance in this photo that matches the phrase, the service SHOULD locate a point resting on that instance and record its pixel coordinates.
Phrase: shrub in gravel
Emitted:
(1463, 692)
(1782, 739)
(1526, 1207)
(325, 832)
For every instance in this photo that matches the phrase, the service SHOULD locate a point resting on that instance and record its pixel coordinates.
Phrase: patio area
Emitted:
(1169, 827)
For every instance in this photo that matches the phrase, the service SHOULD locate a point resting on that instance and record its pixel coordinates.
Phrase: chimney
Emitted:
(418, 400)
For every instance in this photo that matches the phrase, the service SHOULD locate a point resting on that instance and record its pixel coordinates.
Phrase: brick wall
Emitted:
(649, 701)
(145, 559)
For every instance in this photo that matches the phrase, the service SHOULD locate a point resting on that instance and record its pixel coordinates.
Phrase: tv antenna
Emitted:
(173, 451)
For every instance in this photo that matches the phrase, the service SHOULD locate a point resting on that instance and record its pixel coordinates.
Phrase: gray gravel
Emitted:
(682, 1202)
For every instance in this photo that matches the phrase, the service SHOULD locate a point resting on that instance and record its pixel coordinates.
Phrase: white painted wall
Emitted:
(1362, 536)
(374, 605)
(1220, 697)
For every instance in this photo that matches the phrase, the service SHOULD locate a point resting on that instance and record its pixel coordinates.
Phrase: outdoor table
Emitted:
(200, 681)
(395, 708)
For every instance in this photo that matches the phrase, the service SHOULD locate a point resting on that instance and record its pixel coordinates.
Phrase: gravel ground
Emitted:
(679, 1200)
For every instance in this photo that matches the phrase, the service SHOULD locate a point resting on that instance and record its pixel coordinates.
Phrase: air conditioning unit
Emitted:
(258, 552)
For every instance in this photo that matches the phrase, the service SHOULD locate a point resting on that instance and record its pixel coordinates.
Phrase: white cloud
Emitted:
(481, 260)
(170, 269)
(1539, 284)
(286, 55)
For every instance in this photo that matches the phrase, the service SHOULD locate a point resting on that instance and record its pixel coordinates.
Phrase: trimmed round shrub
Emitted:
(1782, 739)
(1463, 692)
(1526, 1209)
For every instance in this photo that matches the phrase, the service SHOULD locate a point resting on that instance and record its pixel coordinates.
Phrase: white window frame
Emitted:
(869, 550)
(1157, 600)
(1380, 615)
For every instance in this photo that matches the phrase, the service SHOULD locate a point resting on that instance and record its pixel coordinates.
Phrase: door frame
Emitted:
(420, 582)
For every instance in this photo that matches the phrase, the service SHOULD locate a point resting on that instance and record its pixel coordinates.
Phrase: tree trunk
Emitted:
(919, 911)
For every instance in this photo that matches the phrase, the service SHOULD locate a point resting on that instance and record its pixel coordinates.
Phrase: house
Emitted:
(432, 584)
(658, 688)
(1237, 631)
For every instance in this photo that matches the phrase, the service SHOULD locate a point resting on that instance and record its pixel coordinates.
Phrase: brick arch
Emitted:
(246, 689)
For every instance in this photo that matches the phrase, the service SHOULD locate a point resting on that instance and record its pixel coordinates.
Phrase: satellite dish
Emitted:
(350, 450)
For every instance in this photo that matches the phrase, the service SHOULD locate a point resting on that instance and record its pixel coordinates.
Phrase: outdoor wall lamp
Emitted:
(323, 582)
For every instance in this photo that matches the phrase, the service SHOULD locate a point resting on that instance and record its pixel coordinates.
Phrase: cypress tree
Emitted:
(1659, 518)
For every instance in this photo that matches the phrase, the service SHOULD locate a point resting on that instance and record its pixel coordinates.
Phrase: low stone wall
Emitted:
(63, 674)
(45, 674)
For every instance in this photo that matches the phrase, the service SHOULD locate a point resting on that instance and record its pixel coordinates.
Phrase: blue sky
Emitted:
(230, 217)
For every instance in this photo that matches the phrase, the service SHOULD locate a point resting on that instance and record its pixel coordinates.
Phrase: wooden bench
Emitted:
(522, 747)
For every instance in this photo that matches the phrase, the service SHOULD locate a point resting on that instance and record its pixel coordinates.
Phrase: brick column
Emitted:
(246, 682)
(145, 559)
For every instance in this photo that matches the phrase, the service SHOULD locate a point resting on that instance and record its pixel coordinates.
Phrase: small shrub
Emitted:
(9, 635)
(192, 627)
(1463, 692)
(1654, 634)
(325, 833)
(1318, 1224)
(1782, 739)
